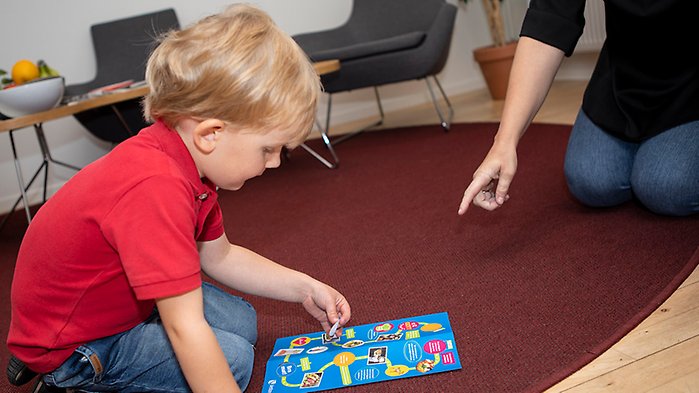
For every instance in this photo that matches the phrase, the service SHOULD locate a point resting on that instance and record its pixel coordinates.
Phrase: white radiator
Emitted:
(593, 36)
(594, 33)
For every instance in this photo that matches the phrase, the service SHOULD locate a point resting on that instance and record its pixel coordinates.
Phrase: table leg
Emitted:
(20, 179)
(26, 188)
(45, 148)
(47, 158)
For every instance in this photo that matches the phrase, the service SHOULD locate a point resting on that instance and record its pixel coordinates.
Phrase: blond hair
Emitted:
(237, 66)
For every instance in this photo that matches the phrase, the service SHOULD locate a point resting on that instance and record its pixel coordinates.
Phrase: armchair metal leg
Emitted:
(352, 134)
(445, 123)
(326, 140)
(122, 120)
(329, 143)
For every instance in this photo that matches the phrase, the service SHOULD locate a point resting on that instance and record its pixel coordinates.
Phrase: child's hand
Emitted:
(327, 306)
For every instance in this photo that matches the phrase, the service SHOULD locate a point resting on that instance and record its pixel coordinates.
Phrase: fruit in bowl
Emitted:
(32, 89)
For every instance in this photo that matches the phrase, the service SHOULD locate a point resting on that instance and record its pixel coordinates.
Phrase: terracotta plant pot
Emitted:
(495, 63)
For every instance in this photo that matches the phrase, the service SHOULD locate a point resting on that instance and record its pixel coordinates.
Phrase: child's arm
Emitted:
(197, 350)
(244, 270)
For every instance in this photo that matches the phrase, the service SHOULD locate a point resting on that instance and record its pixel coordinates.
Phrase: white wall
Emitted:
(58, 32)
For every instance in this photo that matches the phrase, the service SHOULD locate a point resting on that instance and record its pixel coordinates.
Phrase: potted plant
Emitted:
(495, 60)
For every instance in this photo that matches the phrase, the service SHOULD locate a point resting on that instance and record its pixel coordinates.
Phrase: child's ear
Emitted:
(206, 134)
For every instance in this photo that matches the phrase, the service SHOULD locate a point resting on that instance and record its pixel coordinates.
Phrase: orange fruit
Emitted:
(24, 71)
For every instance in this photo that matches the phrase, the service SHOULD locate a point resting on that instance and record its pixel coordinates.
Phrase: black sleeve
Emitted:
(558, 23)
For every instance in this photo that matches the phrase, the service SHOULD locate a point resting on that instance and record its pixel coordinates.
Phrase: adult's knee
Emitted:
(665, 171)
(595, 187)
(671, 194)
(597, 165)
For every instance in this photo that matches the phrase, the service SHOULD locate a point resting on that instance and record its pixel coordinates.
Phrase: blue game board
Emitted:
(401, 348)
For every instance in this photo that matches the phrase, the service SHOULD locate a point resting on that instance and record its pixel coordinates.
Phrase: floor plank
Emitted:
(683, 300)
(677, 365)
(683, 384)
(692, 279)
(603, 364)
(677, 320)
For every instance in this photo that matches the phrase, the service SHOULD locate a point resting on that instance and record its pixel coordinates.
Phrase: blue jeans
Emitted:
(662, 172)
(142, 359)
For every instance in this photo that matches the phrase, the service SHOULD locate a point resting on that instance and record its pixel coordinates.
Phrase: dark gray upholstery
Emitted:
(384, 41)
(122, 48)
(371, 48)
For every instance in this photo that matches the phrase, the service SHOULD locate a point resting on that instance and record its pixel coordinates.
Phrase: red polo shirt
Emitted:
(119, 234)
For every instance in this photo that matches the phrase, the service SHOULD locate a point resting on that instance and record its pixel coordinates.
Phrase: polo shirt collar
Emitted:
(173, 145)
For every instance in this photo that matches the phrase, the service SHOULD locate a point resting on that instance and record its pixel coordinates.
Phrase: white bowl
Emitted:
(32, 97)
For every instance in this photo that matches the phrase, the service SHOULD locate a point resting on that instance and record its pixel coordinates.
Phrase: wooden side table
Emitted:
(38, 119)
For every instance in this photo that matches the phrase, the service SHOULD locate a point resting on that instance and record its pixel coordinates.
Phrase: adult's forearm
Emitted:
(533, 70)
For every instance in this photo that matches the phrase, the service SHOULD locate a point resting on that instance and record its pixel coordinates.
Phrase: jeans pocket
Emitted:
(81, 370)
(91, 357)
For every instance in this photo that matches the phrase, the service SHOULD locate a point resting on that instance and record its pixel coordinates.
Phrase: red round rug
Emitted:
(534, 290)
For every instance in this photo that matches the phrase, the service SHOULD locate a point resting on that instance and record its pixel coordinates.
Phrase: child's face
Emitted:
(242, 155)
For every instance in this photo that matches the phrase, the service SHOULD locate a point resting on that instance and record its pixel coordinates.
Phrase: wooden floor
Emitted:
(662, 353)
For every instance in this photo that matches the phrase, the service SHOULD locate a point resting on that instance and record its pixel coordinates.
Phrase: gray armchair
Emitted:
(382, 42)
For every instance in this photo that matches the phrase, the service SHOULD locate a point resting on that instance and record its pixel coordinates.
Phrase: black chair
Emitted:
(382, 42)
(122, 48)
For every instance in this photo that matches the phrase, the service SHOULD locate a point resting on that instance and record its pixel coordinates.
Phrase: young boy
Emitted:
(107, 293)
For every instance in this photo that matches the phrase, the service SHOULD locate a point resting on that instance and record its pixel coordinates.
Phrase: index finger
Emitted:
(477, 184)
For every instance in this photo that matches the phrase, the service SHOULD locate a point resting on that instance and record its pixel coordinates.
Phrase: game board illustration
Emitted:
(400, 348)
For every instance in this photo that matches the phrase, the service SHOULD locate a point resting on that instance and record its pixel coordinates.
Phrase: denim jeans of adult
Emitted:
(142, 360)
(661, 172)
